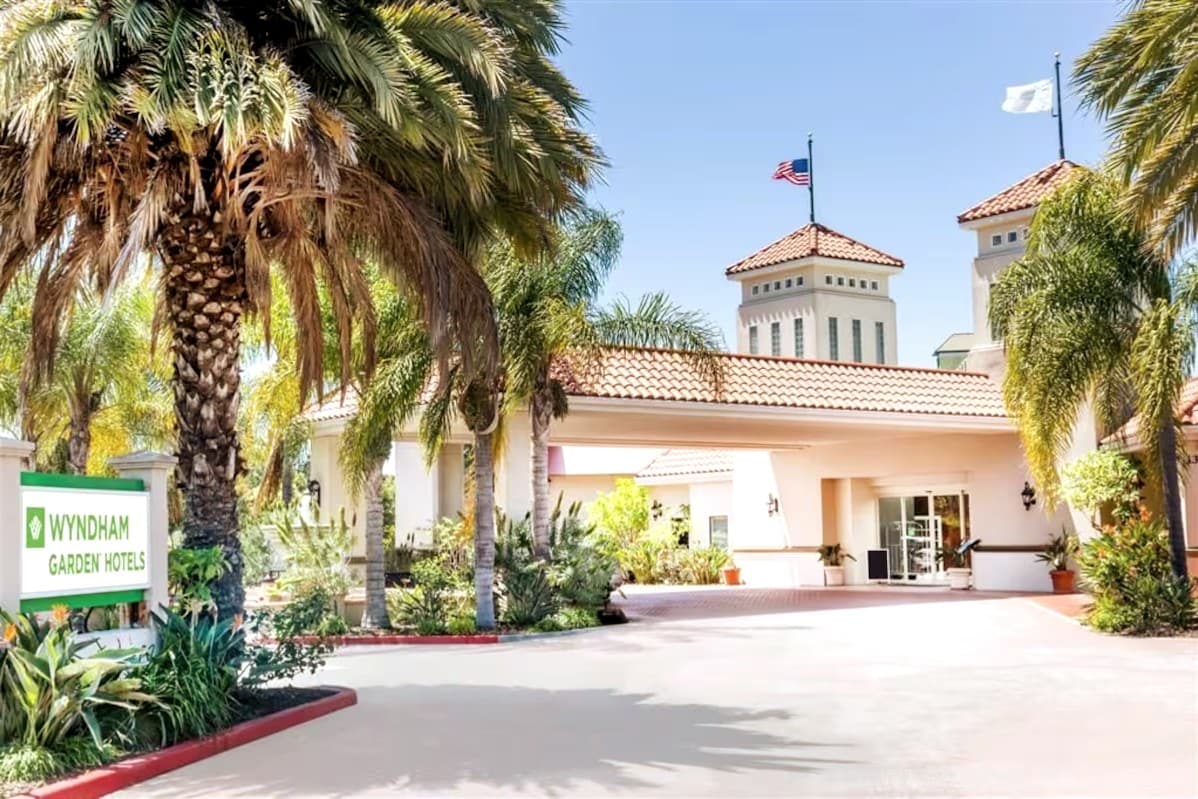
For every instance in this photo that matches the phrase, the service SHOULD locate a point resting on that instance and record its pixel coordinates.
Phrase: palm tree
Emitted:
(1141, 77)
(230, 139)
(104, 382)
(548, 308)
(1092, 314)
(408, 380)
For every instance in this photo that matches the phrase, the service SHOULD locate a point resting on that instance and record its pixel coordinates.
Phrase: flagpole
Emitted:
(1060, 116)
(811, 177)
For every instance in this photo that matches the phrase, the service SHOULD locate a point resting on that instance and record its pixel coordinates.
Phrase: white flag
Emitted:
(1032, 98)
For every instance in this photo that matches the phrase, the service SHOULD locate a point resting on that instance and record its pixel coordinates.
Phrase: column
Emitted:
(417, 489)
(513, 470)
(13, 457)
(154, 469)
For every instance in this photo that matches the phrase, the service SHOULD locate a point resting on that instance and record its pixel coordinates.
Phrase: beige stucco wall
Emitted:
(709, 499)
(990, 261)
(990, 468)
(582, 488)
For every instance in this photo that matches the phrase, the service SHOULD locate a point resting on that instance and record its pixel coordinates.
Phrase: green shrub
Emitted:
(257, 554)
(23, 763)
(50, 691)
(568, 618)
(317, 556)
(1102, 479)
(311, 612)
(648, 560)
(702, 566)
(526, 595)
(194, 674)
(1128, 570)
(462, 625)
(621, 516)
(431, 603)
(189, 576)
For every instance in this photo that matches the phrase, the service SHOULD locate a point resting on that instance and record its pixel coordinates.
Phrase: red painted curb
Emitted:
(395, 640)
(109, 779)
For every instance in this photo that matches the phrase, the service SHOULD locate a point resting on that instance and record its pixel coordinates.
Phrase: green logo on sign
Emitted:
(35, 528)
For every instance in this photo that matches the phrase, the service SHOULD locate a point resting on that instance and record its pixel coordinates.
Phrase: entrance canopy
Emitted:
(666, 398)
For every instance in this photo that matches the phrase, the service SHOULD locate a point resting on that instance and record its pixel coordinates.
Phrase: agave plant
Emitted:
(49, 690)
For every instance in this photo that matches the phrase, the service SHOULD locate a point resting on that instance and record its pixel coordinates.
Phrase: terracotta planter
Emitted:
(1062, 581)
(958, 578)
(834, 575)
(732, 576)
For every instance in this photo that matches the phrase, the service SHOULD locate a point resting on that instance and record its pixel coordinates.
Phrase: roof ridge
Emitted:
(1048, 171)
(816, 361)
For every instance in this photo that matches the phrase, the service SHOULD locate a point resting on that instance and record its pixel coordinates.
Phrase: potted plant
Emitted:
(956, 567)
(1057, 554)
(731, 572)
(833, 557)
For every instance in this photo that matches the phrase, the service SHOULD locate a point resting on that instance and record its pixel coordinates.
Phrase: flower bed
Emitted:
(279, 709)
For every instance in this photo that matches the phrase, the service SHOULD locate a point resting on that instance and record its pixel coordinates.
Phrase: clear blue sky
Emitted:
(695, 103)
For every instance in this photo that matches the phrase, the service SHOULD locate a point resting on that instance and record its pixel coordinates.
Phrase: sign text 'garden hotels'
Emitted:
(83, 537)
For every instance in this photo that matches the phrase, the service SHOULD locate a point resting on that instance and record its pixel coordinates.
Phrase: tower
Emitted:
(819, 294)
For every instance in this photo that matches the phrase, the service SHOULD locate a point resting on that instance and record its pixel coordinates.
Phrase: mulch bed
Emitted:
(263, 701)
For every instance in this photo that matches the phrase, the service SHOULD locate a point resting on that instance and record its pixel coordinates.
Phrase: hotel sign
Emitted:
(84, 538)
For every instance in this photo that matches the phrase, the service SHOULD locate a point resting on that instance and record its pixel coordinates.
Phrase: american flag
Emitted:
(796, 171)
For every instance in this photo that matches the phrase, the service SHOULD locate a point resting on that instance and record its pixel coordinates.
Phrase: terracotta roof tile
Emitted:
(682, 462)
(649, 374)
(812, 240)
(1187, 414)
(788, 382)
(1024, 194)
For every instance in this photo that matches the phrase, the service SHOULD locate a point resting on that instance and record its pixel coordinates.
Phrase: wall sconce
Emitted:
(1029, 495)
(656, 509)
(314, 491)
(771, 505)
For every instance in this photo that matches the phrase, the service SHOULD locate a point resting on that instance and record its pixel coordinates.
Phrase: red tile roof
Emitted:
(649, 374)
(812, 240)
(1187, 414)
(1027, 193)
(685, 462)
(757, 380)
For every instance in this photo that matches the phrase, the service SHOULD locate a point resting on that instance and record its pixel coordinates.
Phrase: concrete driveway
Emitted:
(845, 694)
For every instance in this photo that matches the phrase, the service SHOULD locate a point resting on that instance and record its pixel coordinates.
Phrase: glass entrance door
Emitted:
(913, 529)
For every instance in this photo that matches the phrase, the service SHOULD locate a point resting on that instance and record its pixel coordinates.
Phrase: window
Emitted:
(1012, 237)
(880, 336)
(874, 285)
(857, 341)
(753, 340)
(798, 338)
(789, 282)
(833, 340)
(777, 285)
(799, 280)
(828, 279)
(755, 290)
(766, 288)
(1025, 234)
(775, 338)
(852, 282)
(996, 240)
(717, 531)
(840, 281)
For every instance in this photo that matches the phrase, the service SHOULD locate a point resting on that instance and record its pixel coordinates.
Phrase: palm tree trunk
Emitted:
(1171, 495)
(206, 295)
(541, 413)
(375, 616)
(484, 531)
(79, 443)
